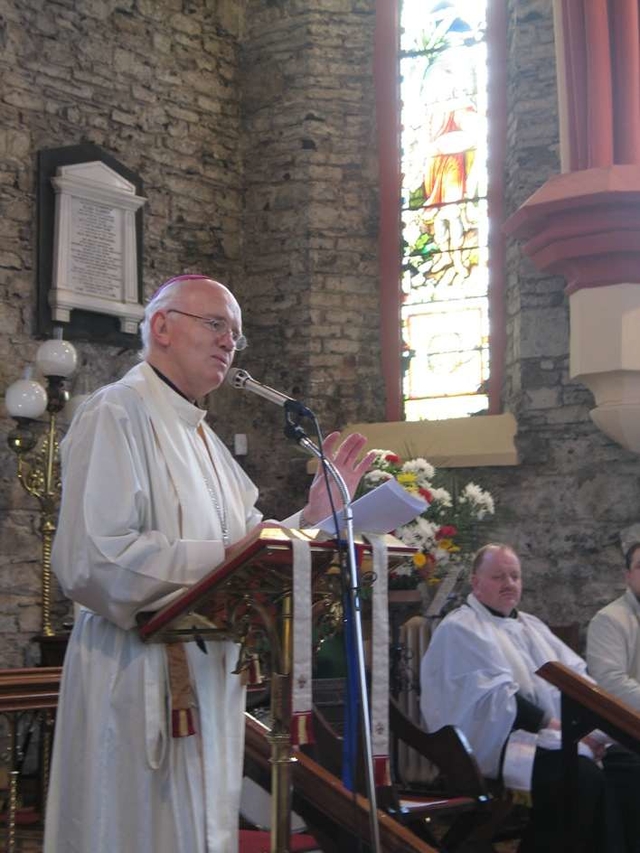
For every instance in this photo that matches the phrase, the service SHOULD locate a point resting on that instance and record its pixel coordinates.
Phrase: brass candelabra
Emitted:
(39, 474)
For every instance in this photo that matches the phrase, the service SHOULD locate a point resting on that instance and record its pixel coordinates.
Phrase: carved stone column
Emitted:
(585, 223)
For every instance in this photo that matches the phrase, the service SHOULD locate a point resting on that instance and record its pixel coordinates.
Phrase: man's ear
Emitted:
(159, 328)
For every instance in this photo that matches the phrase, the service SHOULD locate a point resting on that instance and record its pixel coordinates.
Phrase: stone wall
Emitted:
(154, 83)
(310, 283)
(252, 125)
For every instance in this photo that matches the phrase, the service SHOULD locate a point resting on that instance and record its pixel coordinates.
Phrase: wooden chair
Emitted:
(338, 819)
(499, 819)
(503, 819)
(457, 806)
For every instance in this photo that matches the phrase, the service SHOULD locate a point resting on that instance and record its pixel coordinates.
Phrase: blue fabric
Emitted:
(352, 701)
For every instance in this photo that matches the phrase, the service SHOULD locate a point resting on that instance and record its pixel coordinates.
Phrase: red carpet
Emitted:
(258, 841)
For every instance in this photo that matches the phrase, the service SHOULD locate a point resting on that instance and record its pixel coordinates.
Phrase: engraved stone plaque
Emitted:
(95, 265)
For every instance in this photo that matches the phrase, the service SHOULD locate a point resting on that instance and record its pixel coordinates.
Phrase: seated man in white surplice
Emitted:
(479, 674)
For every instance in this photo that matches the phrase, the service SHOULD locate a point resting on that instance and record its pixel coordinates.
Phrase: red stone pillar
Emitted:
(388, 122)
(585, 223)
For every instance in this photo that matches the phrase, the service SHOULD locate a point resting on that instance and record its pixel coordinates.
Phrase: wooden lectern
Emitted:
(249, 599)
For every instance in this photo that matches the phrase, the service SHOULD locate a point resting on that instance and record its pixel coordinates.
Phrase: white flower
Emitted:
(441, 496)
(442, 556)
(380, 456)
(423, 470)
(420, 533)
(471, 504)
(428, 529)
(481, 502)
(375, 478)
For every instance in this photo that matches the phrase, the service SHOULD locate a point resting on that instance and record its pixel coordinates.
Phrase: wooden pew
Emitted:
(493, 818)
(585, 707)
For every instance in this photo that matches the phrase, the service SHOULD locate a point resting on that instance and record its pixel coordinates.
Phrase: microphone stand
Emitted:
(294, 431)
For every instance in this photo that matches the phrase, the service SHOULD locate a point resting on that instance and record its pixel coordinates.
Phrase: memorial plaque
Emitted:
(95, 251)
(90, 246)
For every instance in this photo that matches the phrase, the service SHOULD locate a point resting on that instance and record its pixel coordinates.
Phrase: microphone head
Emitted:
(236, 377)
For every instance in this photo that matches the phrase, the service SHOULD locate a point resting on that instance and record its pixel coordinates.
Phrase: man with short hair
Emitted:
(613, 638)
(151, 502)
(478, 673)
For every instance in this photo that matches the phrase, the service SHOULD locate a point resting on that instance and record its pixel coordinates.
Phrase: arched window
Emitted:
(449, 126)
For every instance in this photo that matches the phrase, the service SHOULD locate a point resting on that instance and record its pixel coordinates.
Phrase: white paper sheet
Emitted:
(382, 510)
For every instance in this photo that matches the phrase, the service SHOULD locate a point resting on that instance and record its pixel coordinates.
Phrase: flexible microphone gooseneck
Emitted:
(238, 378)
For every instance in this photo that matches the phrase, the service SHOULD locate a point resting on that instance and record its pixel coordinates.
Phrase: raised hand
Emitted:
(344, 456)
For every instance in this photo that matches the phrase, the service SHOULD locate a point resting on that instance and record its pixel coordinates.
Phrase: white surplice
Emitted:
(474, 666)
(138, 525)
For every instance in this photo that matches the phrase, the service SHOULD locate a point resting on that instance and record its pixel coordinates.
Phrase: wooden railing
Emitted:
(31, 695)
(586, 707)
(335, 816)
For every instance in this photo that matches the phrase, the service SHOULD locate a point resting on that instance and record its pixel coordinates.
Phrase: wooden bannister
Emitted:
(590, 707)
(35, 692)
(585, 707)
(318, 794)
(29, 689)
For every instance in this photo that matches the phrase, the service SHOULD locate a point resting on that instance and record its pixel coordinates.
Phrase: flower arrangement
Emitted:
(445, 532)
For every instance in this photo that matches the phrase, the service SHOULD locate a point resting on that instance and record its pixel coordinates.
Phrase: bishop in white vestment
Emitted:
(151, 501)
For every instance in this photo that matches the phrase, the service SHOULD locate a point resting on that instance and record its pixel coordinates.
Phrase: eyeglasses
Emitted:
(218, 326)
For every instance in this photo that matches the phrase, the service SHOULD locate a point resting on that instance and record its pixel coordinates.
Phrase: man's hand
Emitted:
(597, 745)
(345, 459)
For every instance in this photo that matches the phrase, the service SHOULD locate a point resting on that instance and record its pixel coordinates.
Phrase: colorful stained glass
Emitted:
(444, 217)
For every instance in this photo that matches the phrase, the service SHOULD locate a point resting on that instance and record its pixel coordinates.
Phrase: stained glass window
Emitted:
(445, 280)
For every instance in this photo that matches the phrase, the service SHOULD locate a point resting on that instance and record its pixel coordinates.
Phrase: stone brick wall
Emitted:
(310, 283)
(252, 124)
(156, 85)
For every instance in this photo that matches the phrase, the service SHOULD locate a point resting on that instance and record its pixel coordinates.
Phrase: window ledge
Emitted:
(473, 442)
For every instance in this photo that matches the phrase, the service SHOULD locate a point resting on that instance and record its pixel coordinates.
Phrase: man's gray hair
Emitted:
(162, 298)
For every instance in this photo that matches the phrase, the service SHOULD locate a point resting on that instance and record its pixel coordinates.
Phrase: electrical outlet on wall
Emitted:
(240, 446)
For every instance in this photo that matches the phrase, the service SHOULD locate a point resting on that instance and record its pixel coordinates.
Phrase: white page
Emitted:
(382, 510)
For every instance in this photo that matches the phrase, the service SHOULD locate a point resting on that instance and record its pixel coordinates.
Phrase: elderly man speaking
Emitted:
(151, 502)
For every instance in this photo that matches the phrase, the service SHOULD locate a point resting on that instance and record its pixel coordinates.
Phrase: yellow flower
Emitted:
(419, 560)
(448, 545)
(408, 480)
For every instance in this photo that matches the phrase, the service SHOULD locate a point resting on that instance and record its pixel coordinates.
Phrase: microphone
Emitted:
(238, 378)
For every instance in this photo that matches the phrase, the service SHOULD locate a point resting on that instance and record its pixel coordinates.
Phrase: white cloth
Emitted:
(613, 648)
(301, 682)
(138, 525)
(380, 659)
(474, 666)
